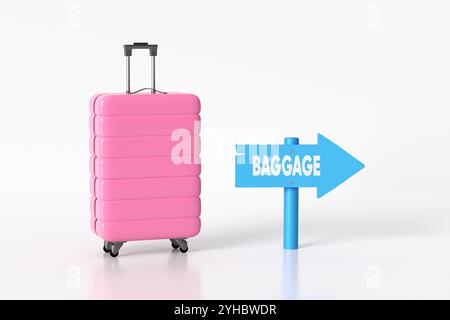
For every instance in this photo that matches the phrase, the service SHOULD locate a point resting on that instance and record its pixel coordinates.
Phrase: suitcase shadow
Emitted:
(237, 236)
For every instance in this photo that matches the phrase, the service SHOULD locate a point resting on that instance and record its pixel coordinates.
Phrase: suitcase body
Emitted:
(145, 167)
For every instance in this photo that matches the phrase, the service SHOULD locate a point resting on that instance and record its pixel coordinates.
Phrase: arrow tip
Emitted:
(337, 165)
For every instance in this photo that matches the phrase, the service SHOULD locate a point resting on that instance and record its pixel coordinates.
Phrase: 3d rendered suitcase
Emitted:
(145, 165)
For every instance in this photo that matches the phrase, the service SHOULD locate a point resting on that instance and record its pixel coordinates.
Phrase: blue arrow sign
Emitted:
(324, 165)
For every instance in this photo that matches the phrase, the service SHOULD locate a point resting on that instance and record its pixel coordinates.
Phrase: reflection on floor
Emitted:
(173, 278)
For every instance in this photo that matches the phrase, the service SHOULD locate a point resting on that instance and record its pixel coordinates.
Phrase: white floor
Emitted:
(47, 253)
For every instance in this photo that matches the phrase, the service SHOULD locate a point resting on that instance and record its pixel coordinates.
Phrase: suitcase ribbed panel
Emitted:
(138, 192)
(129, 147)
(129, 189)
(142, 168)
(144, 104)
(148, 229)
(147, 209)
(129, 126)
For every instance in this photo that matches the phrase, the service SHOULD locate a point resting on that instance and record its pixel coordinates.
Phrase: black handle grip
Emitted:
(128, 48)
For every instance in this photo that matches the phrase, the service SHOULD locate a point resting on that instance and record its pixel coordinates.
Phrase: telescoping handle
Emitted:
(128, 50)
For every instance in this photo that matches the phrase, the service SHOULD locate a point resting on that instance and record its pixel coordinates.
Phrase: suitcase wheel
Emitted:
(112, 248)
(175, 244)
(179, 244)
(184, 250)
(183, 245)
(107, 246)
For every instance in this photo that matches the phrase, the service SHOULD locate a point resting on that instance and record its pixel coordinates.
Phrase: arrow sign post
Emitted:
(291, 165)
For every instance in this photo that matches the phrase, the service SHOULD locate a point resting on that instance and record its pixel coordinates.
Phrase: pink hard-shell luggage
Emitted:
(145, 165)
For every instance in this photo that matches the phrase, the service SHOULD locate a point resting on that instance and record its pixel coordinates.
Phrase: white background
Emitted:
(373, 76)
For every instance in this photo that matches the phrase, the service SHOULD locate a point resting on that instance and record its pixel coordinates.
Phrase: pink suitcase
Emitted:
(145, 164)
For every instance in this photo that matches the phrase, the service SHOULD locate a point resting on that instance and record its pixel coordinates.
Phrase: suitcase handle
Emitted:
(128, 48)
(128, 51)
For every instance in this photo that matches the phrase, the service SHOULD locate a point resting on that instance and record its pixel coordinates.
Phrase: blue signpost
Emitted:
(291, 166)
(290, 226)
